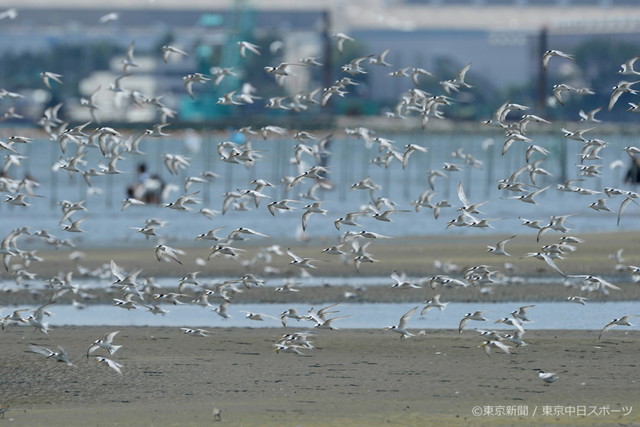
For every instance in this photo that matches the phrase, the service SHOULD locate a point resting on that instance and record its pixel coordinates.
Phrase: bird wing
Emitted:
(614, 98)
(92, 348)
(607, 326)
(403, 320)
(524, 308)
(552, 264)
(623, 205)
(39, 350)
(114, 365)
(295, 257)
(115, 270)
(305, 219)
(487, 348)
(501, 244)
(463, 72)
(39, 312)
(462, 196)
(108, 338)
(462, 323)
(545, 60)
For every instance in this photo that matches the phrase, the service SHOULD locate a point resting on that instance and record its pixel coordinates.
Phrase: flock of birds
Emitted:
(353, 247)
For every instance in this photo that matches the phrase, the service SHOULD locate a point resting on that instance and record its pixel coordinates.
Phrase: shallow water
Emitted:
(107, 225)
(545, 315)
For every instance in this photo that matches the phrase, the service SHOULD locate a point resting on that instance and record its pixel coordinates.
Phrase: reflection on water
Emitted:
(546, 315)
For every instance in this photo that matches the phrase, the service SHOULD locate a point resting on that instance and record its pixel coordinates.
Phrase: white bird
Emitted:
(167, 50)
(561, 88)
(543, 256)
(521, 313)
(626, 69)
(281, 70)
(111, 363)
(371, 235)
(106, 343)
(600, 205)
(300, 262)
(245, 231)
(285, 348)
(122, 278)
(190, 79)
(131, 201)
(180, 202)
(195, 332)
(488, 345)
(340, 39)
(257, 316)
(210, 235)
(165, 252)
(282, 205)
(515, 338)
(348, 219)
(410, 149)
(557, 53)
(433, 303)
(290, 313)
(547, 377)
(590, 116)
(499, 248)
(129, 60)
(401, 327)
(19, 199)
(380, 59)
(328, 323)
(171, 297)
(623, 321)
(309, 210)
(511, 322)
(109, 17)
(631, 196)
(578, 300)
(529, 197)
(60, 355)
(36, 318)
(288, 286)
(477, 315)
(127, 303)
(221, 310)
(384, 216)
(13, 317)
(11, 13)
(245, 46)
(619, 89)
(596, 283)
(47, 76)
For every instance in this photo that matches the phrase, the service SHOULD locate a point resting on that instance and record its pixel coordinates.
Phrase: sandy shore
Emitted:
(414, 255)
(363, 377)
(530, 280)
(351, 377)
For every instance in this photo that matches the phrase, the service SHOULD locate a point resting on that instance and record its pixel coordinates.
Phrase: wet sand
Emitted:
(351, 377)
(364, 377)
(413, 255)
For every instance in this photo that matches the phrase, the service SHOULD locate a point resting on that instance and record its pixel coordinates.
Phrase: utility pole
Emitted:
(541, 96)
(327, 62)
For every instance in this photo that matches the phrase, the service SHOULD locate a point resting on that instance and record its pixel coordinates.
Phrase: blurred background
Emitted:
(503, 39)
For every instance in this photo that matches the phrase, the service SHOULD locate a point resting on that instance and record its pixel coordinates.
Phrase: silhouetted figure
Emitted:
(633, 173)
(148, 188)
